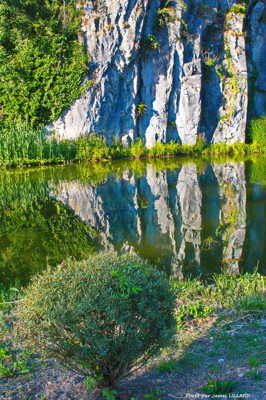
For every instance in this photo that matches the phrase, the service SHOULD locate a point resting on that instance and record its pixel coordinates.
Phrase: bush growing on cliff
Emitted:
(101, 317)
(150, 42)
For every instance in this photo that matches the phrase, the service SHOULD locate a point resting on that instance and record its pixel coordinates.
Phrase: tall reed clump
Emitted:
(21, 145)
(138, 149)
(257, 131)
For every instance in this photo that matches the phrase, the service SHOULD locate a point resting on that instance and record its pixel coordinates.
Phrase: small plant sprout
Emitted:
(208, 59)
(141, 109)
(150, 42)
(216, 387)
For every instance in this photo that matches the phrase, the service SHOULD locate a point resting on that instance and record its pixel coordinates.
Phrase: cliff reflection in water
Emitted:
(185, 219)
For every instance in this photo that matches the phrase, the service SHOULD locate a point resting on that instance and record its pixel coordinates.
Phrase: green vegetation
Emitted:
(236, 149)
(223, 334)
(34, 225)
(14, 362)
(257, 131)
(101, 317)
(109, 394)
(24, 147)
(42, 65)
(224, 291)
(254, 374)
(228, 329)
(239, 8)
(154, 394)
(150, 42)
(219, 387)
(209, 61)
(141, 109)
(192, 311)
(167, 366)
(258, 170)
(165, 13)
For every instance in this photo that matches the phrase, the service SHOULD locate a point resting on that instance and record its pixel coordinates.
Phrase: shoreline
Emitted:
(95, 150)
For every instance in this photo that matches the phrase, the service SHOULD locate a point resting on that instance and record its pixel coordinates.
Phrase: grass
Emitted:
(154, 394)
(254, 374)
(226, 336)
(167, 366)
(219, 387)
(21, 146)
(224, 291)
(219, 332)
(220, 337)
(13, 362)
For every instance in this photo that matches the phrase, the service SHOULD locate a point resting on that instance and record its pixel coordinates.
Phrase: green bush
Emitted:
(42, 65)
(101, 317)
(257, 131)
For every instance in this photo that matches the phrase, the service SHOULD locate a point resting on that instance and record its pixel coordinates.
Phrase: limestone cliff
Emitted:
(166, 70)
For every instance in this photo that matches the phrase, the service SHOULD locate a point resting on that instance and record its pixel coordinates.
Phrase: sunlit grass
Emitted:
(22, 146)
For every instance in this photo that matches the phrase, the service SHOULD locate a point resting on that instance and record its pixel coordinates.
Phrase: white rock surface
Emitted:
(195, 83)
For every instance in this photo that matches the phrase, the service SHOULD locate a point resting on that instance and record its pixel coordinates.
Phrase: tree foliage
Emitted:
(42, 65)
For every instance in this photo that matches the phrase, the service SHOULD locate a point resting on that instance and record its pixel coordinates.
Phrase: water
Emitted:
(189, 217)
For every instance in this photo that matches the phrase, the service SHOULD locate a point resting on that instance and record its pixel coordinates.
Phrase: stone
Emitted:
(193, 81)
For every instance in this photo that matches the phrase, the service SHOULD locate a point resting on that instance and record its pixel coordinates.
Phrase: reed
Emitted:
(23, 146)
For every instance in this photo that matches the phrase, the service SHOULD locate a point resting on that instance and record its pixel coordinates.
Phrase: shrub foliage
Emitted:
(257, 131)
(42, 64)
(102, 317)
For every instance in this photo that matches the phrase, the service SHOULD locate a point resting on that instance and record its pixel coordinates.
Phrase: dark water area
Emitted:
(188, 217)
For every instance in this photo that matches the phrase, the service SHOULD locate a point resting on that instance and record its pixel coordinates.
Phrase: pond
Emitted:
(188, 217)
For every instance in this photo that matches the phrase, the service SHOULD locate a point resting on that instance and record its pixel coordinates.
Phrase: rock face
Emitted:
(162, 215)
(169, 70)
(257, 57)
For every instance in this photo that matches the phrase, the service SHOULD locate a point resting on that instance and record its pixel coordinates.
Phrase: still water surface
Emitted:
(188, 217)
